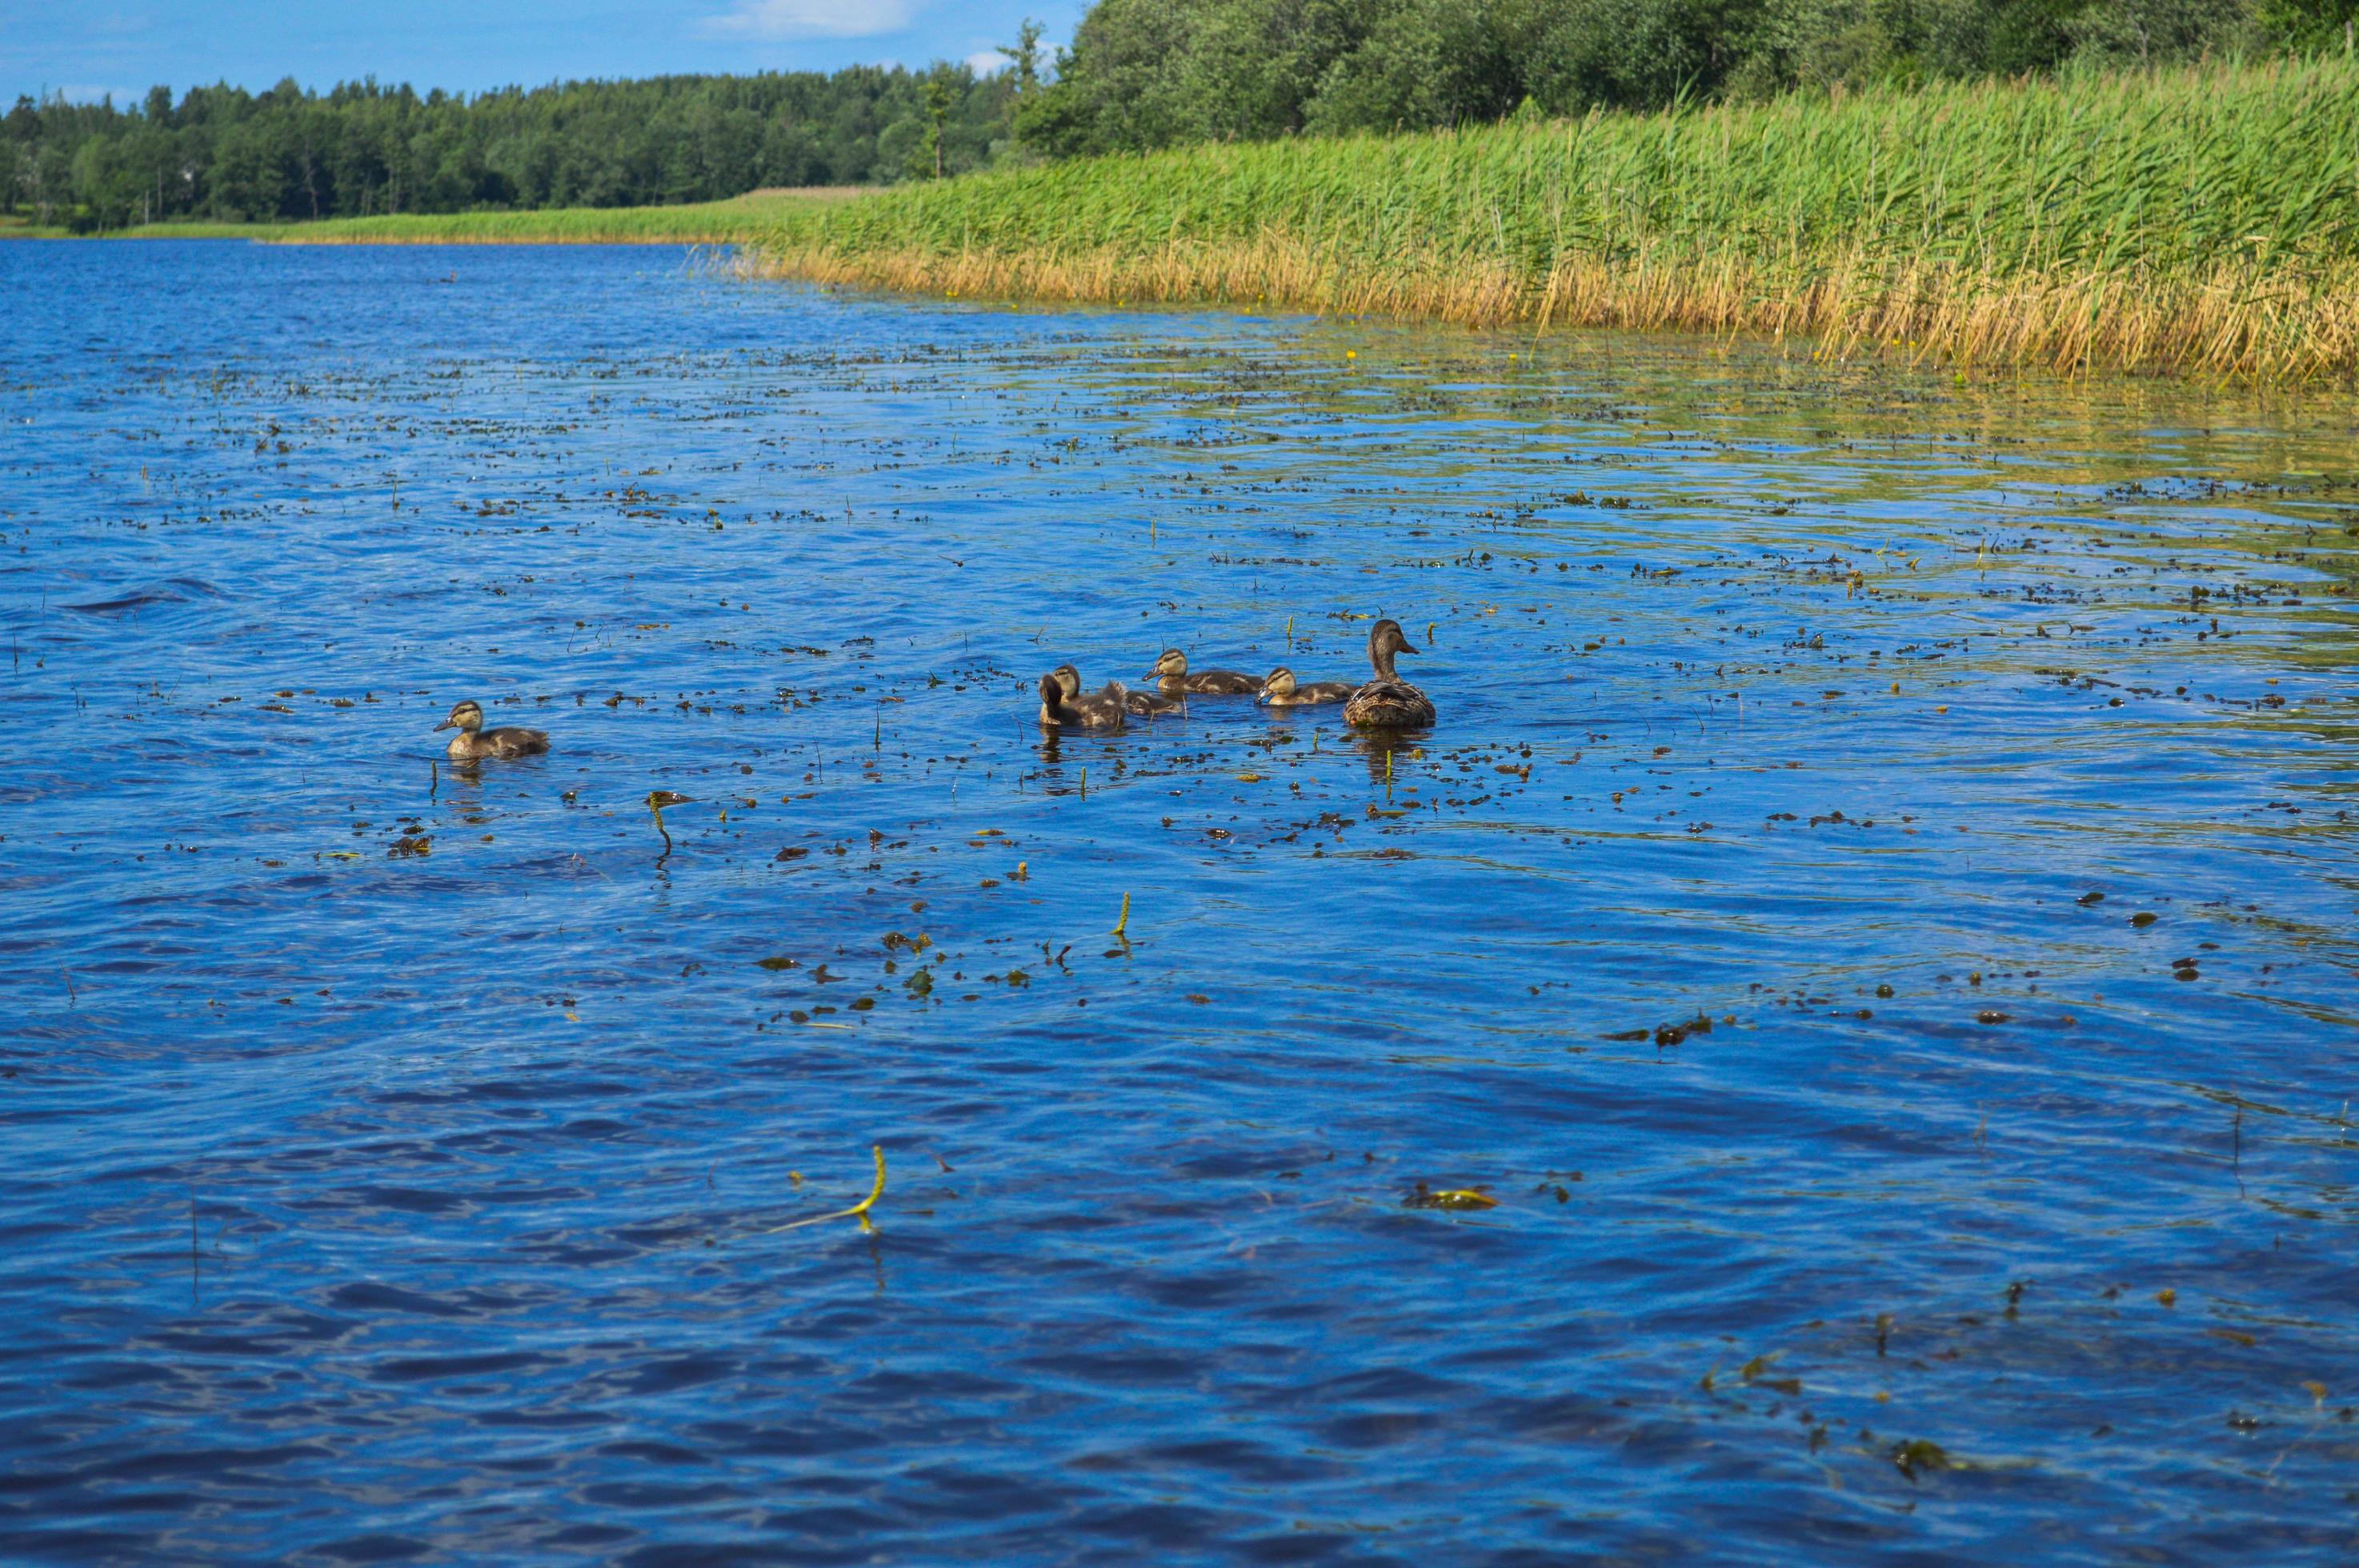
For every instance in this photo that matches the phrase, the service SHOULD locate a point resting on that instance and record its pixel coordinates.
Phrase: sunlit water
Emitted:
(359, 1203)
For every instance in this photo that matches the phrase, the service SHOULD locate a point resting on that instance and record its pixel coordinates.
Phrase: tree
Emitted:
(937, 114)
(363, 147)
(1025, 54)
(2312, 24)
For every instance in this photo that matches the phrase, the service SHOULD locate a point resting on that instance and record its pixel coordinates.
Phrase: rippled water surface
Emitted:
(1875, 916)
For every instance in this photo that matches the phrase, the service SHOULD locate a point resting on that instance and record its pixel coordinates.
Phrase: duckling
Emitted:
(1137, 703)
(1098, 710)
(1280, 689)
(474, 743)
(1389, 702)
(1171, 677)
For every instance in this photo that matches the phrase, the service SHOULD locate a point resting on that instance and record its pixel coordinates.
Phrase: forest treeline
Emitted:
(225, 155)
(1140, 75)
(1155, 73)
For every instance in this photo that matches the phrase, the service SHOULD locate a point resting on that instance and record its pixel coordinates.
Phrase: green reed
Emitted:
(2199, 217)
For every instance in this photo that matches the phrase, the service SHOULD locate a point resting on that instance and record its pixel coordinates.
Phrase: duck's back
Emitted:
(1388, 705)
(1100, 709)
(1106, 705)
(1222, 683)
(513, 741)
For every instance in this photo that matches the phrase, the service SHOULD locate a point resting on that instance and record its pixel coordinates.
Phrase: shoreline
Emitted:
(738, 219)
(2197, 222)
(2194, 223)
(2061, 323)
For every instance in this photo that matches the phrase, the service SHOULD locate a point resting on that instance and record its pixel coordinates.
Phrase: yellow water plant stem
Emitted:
(857, 1211)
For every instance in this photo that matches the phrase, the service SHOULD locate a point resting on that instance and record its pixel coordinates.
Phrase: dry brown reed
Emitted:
(2214, 324)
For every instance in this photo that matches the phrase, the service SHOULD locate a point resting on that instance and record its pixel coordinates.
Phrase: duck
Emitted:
(1137, 703)
(1098, 710)
(1389, 702)
(474, 743)
(1171, 677)
(1280, 689)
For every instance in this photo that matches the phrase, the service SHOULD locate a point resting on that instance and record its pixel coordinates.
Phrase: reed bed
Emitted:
(2202, 220)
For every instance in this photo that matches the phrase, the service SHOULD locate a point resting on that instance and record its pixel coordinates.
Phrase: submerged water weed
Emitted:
(1459, 1199)
(1917, 1457)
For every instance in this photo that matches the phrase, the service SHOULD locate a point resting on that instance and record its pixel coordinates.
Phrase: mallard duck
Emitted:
(1137, 703)
(1098, 710)
(474, 743)
(1389, 702)
(1171, 677)
(1280, 689)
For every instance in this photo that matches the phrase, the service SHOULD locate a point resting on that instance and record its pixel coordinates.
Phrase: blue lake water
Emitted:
(1974, 760)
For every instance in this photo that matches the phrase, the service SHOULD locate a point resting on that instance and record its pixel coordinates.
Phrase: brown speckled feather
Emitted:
(1389, 702)
(1171, 670)
(1098, 710)
(1280, 689)
(472, 742)
(1388, 705)
(508, 741)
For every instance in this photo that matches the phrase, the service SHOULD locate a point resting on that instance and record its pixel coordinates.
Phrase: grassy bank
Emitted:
(2203, 221)
(705, 222)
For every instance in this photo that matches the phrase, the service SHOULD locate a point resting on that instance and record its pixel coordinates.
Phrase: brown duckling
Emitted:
(1171, 676)
(1137, 703)
(474, 743)
(1389, 702)
(1280, 689)
(1098, 710)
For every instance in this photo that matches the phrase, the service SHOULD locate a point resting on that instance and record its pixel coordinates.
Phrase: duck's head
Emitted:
(1278, 683)
(1069, 678)
(1172, 664)
(1052, 691)
(1385, 637)
(468, 716)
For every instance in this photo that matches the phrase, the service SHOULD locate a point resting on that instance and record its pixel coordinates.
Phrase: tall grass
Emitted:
(2203, 220)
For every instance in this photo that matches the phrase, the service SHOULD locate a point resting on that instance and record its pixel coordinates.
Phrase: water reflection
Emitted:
(1386, 751)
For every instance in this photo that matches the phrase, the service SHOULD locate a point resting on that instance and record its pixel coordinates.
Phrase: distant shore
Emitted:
(2202, 222)
(706, 222)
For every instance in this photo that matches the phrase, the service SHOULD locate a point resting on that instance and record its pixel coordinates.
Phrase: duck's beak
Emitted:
(1408, 647)
(447, 724)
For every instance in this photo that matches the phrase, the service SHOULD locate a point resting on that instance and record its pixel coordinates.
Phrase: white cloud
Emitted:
(811, 18)
(988, 62)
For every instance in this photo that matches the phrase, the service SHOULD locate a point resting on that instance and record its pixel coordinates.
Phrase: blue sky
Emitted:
(84, 47)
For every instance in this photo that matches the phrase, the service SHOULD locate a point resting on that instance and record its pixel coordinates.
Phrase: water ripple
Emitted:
(1875, 919)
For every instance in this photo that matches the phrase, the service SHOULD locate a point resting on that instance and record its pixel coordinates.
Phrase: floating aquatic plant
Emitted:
(858, 1211)
(656, 801)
